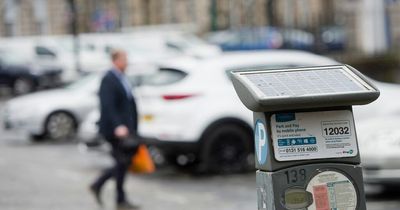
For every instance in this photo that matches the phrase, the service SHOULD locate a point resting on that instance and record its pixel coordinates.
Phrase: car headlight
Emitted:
(20, 112)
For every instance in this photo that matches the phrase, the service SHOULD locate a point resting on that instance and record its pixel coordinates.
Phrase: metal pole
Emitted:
(214, 14)
(124, 14)
(11, 17)
(270, 8)
(234, 17)
(167, 11)
(75, 33)
(192, 10)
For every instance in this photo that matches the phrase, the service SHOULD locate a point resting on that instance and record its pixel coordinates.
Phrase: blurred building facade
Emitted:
(32, 17)
(370, 25)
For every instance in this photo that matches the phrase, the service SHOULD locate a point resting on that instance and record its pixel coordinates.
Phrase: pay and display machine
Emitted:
(305, 139)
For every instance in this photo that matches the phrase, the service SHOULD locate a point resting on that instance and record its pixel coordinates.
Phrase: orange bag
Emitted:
(142, 161)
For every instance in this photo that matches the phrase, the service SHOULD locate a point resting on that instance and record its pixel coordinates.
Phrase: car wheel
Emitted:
(228, 149)
(23, 86)
(60, 126)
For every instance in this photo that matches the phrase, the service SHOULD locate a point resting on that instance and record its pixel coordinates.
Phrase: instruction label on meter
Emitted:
(313, 135)
(332, 190)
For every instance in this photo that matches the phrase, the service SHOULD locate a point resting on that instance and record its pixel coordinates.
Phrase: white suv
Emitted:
(192, 111)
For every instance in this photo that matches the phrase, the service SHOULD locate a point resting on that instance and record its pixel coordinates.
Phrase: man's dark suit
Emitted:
(117, 107)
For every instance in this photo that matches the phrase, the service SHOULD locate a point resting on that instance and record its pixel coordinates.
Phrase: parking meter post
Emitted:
(306, 146)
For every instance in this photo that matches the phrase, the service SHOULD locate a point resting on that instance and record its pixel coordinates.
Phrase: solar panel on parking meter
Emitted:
(305, 137)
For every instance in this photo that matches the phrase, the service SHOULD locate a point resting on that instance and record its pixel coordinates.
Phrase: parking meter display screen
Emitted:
(297, 198)
(305, 82)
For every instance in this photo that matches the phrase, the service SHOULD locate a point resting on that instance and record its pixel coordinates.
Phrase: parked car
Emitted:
(379, 136)
(333, 38)
(247, 39)
(297, 39)
(191, 111)
(257, 38)
(384, 106)
(24, 75)
(171, 39)
(40, 49)
(189, 44)
(54, 114)
(379, 142)
(150, 46)
(57, 114)
(191, 107)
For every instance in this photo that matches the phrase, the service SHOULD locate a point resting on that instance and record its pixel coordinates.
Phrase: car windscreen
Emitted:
(165, 76)
(88, 82)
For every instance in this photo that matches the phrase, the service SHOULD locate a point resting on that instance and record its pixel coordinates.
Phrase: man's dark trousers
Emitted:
(122, 159)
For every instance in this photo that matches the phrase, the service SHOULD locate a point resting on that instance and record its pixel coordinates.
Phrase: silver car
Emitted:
(379, 136)
(379, 141)
(54, 114)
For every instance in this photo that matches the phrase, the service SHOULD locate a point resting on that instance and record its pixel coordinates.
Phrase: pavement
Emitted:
(56, 176)
(39, 176)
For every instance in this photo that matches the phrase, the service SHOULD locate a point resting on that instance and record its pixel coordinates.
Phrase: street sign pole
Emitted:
(75, 33)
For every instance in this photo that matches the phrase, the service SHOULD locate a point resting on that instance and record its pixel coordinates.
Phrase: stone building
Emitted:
(28, 17)
(356, 17)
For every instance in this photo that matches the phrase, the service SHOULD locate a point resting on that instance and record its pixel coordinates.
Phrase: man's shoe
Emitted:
(127, 206)
(96, 193)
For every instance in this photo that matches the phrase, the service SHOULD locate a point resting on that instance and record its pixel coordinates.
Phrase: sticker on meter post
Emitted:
(332, 190)
(313, 135)
(261, 142)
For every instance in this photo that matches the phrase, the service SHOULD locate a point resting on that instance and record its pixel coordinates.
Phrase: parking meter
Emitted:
(305, 139)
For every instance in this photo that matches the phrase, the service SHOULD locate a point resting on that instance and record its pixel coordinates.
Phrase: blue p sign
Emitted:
(260, 138)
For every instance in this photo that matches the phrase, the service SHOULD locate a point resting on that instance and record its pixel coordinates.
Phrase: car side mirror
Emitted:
(43, 52)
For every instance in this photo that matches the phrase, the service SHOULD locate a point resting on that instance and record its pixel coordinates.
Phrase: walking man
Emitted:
(118, 120)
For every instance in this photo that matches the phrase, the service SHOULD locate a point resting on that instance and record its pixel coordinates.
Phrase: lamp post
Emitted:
(75, 33)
